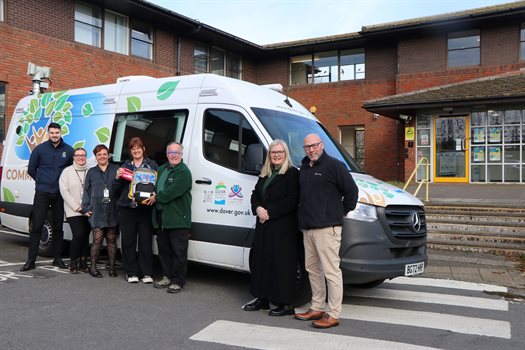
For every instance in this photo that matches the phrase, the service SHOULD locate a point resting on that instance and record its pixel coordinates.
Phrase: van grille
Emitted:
(406, 222)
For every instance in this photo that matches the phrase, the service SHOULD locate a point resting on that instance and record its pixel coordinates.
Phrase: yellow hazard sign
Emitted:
(409, 133)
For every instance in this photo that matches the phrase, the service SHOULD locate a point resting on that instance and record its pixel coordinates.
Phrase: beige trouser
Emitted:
(321, 247)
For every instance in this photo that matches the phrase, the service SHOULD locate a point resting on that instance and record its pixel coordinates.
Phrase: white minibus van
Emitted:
(225, 126)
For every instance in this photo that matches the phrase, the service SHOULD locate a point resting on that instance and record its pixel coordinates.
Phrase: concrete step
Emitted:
(482, 219)
(489, 211)
(475, 229)
(503, 241)
(511, 252)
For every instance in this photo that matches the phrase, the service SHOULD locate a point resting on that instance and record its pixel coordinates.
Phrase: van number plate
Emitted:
(414, 269)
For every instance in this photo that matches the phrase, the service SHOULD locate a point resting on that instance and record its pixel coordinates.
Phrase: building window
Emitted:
(463, 48)
(88, 25)
(327, 67)
(352, 64)
(522, 42)
(353, 140)
(1, 10)
(216, 61)
(2, 110)
(116, 33)
(141, 40)
(233, 66)
(200, 58)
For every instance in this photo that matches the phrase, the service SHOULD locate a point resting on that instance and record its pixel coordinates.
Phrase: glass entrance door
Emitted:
(451, 153)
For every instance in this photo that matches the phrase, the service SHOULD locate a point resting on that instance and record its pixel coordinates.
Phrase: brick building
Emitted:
(373, 90)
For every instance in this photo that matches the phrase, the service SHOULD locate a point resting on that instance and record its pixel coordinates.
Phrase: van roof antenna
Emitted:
(287, 101)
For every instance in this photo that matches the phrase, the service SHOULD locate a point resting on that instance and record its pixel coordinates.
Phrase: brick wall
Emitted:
(422, 54)
(500, 45)
(54, 17)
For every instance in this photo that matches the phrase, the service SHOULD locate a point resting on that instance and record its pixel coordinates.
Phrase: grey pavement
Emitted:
(478, 268)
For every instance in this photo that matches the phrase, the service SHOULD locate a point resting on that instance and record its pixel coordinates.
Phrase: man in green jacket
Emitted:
(172, 216)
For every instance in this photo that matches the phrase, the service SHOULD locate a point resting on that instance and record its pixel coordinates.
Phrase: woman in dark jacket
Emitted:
(99, 204)
(135, 219)
(274, 253)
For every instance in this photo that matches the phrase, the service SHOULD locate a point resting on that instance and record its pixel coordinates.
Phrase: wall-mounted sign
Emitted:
(409, 133)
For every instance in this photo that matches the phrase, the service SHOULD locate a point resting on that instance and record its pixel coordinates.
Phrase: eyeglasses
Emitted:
(79, 155)
(275, 153)
(312, 146)
(173, 153)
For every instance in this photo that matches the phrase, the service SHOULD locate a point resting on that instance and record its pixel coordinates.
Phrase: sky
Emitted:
(273, 21)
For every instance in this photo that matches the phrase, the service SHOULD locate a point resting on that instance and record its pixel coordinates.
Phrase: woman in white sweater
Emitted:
(71, 188)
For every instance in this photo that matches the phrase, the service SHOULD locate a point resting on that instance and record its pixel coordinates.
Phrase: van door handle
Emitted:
(203, 181)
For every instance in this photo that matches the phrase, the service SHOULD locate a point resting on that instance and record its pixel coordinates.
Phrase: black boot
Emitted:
(29, 265)
(73, 266)
(58, 262)
(112, 270)
(257, 304)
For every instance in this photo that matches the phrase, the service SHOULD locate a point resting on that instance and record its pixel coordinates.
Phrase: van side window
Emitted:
(156, 129)
(227, 134)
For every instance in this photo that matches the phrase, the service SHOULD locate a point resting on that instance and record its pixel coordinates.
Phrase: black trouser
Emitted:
(173, 254)
(41, 204)
(132, 222)
(80, 229)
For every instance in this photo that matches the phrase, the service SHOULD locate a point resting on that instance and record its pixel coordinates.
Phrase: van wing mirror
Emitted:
(254, 158)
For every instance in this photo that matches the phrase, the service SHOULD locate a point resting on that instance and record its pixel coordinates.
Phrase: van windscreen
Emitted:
(293, 128)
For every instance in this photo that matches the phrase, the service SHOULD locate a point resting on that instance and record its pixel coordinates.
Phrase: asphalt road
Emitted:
(48, 308)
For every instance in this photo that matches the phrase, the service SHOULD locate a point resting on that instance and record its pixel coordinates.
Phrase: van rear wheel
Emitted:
(45, 248)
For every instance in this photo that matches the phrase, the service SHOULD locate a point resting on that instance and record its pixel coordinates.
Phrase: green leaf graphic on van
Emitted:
(102, 134)
(166, 90)
(60, 102)
(79, 144)
(50, 106)
(20, 140)
(58, 94)
(8, 195)
(134, 104)
(67, 106)
(33, 105)
(68, 117)
(65, 130)
(87, 109)
(45, 99)
(57, 116)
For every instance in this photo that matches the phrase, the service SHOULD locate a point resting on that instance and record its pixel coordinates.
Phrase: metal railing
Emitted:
(424, 181)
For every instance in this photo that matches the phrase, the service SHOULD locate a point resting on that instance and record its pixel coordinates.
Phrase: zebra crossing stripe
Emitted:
(442, 283)
(430, 298)
(457, 324)
(264, 337)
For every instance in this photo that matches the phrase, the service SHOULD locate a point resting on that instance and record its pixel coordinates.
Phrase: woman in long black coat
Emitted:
(274, 254)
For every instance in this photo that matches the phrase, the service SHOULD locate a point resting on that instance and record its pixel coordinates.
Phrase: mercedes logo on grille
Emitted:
(415, 222)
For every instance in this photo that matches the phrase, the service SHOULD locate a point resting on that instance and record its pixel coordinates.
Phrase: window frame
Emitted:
(226, 70)
(465, 48)
(1, 10)
(99, 27)
(137, 26)
(309, 60)
(522, 41)
(216, 153)
(114, 34)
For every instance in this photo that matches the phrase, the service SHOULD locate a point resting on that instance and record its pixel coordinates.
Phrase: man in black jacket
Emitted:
(45, 166)
(327, 193)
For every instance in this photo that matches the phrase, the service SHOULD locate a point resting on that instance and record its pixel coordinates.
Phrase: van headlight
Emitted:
(363, 212)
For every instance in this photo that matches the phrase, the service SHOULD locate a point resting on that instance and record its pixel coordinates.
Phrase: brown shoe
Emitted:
(326, 322)
(310, 315)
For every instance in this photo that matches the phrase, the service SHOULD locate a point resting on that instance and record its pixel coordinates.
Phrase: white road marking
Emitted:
(3, 262)
(431, 298)
(457, 324)
(442, 283)
(22, 263)
(265, 337)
